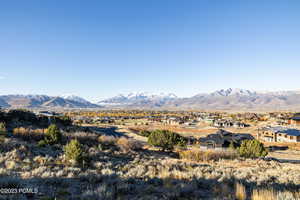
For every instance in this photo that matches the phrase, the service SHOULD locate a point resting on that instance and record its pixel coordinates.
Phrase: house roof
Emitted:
(219, 137)
(292, 132)
(296, 118)
(288, 131)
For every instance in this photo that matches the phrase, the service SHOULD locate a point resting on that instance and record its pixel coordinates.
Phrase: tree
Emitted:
(252, 149)
(166, 139)
(73, 151)
(53, 135)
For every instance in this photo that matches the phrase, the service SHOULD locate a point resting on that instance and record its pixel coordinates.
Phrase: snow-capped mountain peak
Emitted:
(149, 95)
(73, 97)
(137, 97)
(233, 91)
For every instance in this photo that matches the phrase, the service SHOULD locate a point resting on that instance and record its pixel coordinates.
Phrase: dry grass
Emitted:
(240, 191)
(199, 156)
(29, 134)
(264, 194)
(271, 194)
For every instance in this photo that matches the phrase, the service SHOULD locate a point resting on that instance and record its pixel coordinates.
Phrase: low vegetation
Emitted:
(204, 156)
(3, 128)
(166, 140)
(252, 149)
(127, 145)
(53, 135)
(73, 151)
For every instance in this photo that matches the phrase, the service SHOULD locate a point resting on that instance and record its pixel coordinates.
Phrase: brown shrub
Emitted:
(127, 145)
(107, 140)
(29, 134)
(198, 155)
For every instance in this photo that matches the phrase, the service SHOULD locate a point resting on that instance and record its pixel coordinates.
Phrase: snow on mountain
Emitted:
(73, 97)
(235, 91)
(37, 101)
(135, 97)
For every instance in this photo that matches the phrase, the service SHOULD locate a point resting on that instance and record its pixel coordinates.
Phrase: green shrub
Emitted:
(42, 143)
(2, 128)
(252, 149)
(166, 139)
(53, 135)
(73, 151)
(144, 133)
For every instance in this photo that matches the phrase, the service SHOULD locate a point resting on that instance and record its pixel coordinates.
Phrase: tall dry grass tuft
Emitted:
(264, 194)
(240, 191)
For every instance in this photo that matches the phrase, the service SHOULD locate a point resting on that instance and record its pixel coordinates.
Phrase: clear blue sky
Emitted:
(102, 48)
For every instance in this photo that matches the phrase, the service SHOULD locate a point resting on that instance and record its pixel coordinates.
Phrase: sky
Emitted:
(101, 48)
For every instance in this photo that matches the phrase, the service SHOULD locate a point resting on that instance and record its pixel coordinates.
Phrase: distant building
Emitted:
(48, 113)
(295, 120)
(229, 123)
(173, 121)
(279, 134)
(222, 139)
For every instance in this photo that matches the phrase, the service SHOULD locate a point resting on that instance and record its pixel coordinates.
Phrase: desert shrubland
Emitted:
(209, 155)
(122, 170)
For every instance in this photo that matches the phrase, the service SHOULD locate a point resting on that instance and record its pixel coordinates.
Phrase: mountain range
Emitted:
(44, 101)
(225, 99)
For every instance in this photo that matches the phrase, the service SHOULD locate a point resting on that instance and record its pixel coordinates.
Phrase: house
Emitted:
(279, 134)
(222, 124)
(222, 139)
(295, 120)
(48, 113)
(229, 123)
(173, 121)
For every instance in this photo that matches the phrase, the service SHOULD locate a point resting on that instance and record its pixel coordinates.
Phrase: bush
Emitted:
(107, 140)
(144, 133)
(53, 135)
(42, 143)
(2, 128)
(73, 151)
(166, 139)
(127, 145)
(252, 149)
